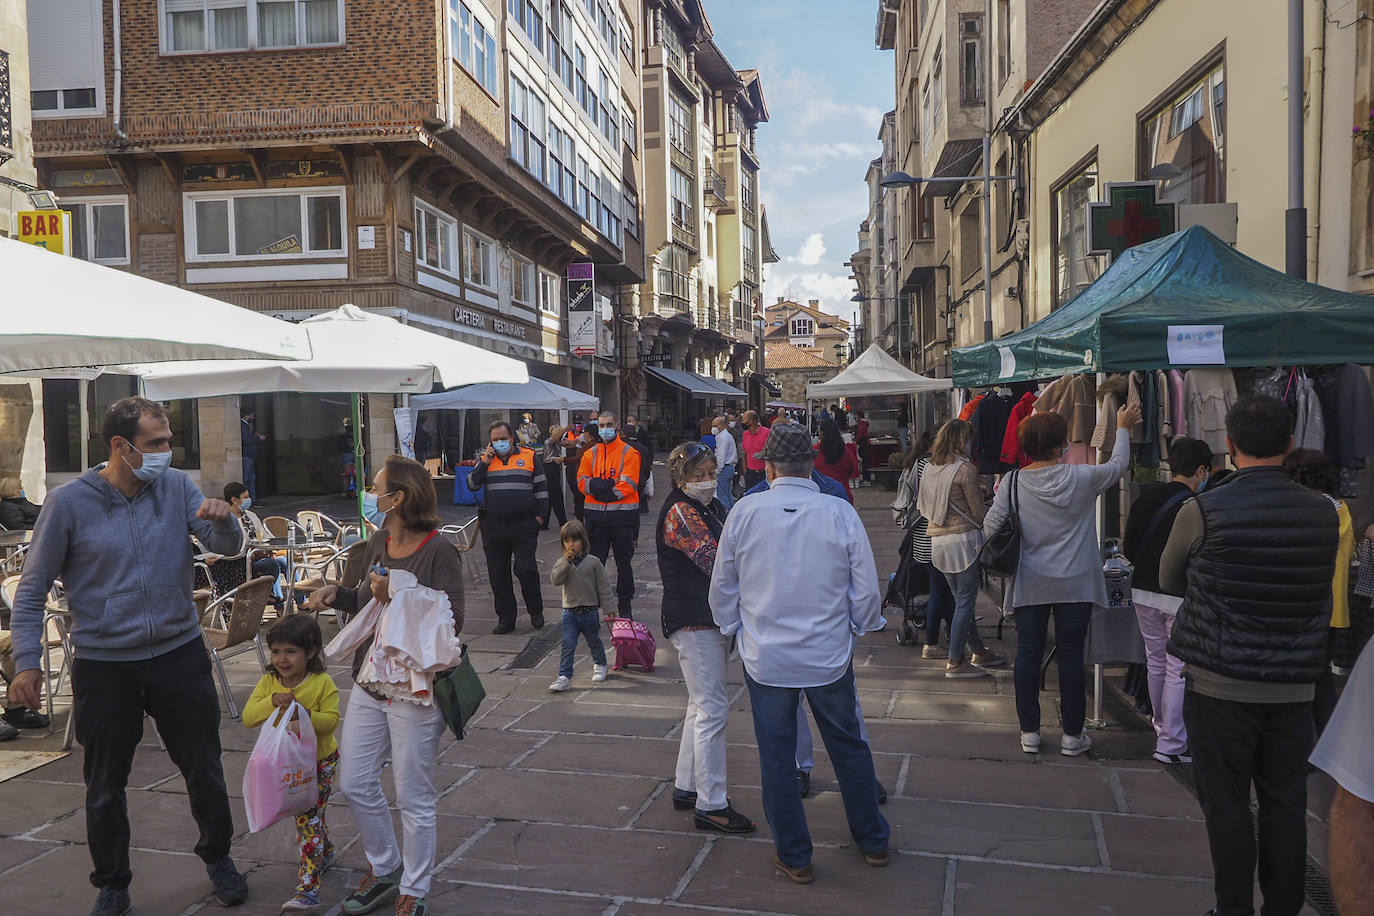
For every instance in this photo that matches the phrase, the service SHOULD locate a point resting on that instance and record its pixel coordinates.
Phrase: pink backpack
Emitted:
(634, 644)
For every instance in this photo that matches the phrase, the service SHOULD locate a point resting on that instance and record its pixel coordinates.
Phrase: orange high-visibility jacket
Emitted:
(616, 460)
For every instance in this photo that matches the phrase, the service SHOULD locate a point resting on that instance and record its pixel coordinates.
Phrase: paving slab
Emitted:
(16, 852)
(468, 898)
(490, 748)
(25, 805)
(588, 718)
(622, 862)
(1157, 792)
(565, 798)
(988, 889)
(269, 886)
(163, 883)
(652, 757)
(951, 707)
(157, 820)
(1010, 783)
(1160, 846)
(743, 874)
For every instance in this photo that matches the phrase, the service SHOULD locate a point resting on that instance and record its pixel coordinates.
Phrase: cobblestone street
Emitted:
(560, 804)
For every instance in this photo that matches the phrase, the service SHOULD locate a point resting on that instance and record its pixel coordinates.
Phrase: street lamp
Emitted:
(903, 180)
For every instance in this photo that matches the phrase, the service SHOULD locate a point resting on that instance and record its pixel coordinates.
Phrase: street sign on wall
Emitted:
(1131, 215)
(582, 316)
(50, 229)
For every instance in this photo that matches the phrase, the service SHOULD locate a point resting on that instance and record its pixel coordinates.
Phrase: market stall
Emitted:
(876, 375)
(1183, 325)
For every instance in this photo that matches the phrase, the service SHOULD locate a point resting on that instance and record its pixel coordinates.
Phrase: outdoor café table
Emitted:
(302, 544)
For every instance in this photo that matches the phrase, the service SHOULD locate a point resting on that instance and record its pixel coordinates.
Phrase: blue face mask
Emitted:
(1206, 480)
(155, 464)
(502, 446)
(607, 433)
(371, 512)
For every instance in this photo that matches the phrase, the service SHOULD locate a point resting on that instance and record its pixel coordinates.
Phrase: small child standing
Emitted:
(586, 589)
(298, 673)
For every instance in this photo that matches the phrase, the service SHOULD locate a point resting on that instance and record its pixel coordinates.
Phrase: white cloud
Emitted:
(812, 250)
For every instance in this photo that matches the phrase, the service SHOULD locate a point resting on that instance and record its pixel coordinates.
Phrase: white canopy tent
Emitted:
(351, 350)
(535, 394)
(875, 374)
(61, 312)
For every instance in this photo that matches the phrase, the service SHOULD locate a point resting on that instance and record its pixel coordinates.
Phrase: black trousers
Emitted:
(752, 479)
(1235, 745)
(578, 497)
(556, 506)
(621, 539)
(176, 689)
(505, 540)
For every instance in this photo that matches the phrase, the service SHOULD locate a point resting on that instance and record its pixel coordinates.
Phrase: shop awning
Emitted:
(1187, 299)
(766, 385)
(698, 386)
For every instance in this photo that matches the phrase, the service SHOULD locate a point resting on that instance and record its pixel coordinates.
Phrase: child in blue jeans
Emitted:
(586, 589)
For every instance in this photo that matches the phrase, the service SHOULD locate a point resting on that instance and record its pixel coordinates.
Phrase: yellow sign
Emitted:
(50, 229)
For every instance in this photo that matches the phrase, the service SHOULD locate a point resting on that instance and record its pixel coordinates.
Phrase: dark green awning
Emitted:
(1182, 301)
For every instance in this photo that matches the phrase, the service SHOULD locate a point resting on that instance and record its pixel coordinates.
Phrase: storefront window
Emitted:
(1182, 142)
(62, 423)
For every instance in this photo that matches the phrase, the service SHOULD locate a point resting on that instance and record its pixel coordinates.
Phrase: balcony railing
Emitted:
(684, 233)
(715, 192)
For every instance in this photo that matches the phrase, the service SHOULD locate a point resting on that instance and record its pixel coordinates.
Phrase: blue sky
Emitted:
(827, 88)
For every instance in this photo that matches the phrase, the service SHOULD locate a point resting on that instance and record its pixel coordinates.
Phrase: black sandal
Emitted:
(734, 821)
(684, 800)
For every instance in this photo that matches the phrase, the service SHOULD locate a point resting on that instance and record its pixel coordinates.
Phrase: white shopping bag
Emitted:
(280, 778)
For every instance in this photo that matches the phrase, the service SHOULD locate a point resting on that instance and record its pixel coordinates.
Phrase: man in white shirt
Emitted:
(797, 623)
(727, 455)
(1346, 753)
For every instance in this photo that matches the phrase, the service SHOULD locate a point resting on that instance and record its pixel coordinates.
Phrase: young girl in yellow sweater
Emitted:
(298, 673)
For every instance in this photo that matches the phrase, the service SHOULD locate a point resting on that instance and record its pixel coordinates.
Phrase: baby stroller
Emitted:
(908, 589)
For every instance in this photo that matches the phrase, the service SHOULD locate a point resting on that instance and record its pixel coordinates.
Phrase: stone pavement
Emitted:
(560, 804)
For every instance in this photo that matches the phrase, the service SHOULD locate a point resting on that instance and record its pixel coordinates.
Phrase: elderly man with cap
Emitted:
(797, 635)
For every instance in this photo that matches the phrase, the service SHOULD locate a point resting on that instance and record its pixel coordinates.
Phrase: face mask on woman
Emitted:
(701, 490)
(371, 511)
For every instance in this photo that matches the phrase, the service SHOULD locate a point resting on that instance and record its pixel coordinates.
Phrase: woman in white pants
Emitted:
(377, 721)
(687, 537)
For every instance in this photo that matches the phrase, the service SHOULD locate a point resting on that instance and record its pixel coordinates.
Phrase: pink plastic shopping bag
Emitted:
(280, 778)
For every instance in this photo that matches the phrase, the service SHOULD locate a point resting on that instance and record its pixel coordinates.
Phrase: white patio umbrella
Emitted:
(59, 312)
(351, 350)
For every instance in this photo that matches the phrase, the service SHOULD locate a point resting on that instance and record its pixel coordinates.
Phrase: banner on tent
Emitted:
(582, 317)
(405, 430)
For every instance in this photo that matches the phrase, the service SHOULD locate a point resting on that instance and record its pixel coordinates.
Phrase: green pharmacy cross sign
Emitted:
(1131, 215)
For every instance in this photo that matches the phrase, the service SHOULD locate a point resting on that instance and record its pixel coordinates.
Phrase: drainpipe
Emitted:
(118, 75)
(1295, 218)
(448, 72)
(1318, 71)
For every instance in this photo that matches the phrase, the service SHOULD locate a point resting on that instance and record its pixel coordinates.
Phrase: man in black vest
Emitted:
(514, 507)
(1253, 560)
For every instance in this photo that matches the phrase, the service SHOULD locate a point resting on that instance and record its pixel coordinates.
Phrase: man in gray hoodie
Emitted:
(119, 539)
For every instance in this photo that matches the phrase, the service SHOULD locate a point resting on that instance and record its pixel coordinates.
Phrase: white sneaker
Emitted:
(560, 684)
(1030, 742)
(1073, 745)
(598, 673)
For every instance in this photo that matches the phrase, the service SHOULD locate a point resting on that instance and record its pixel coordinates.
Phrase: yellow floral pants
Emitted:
(311, 832)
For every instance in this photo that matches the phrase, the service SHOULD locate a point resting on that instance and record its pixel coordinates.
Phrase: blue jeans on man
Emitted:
(250, 476)
(274, 567)
(725, 484)
(775, 729)
(581, 621)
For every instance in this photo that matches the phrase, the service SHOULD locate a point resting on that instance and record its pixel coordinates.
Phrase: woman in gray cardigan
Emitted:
(1060, 572)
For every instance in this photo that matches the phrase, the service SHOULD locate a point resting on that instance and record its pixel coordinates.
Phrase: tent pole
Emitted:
(83, 402)
(356, 405)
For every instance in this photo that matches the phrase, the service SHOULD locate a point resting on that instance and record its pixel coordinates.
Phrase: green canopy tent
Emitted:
(1185, 300)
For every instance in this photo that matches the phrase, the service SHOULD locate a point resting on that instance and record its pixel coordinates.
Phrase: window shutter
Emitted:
(66, 46)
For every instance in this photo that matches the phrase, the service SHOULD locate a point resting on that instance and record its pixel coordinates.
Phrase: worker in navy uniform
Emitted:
(514, 506)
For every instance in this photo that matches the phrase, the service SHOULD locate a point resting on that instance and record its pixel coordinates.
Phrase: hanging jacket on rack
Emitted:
(1208, 395)
(1071, 396)
(989, 430)
(1011, 441)
(1309, 429)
